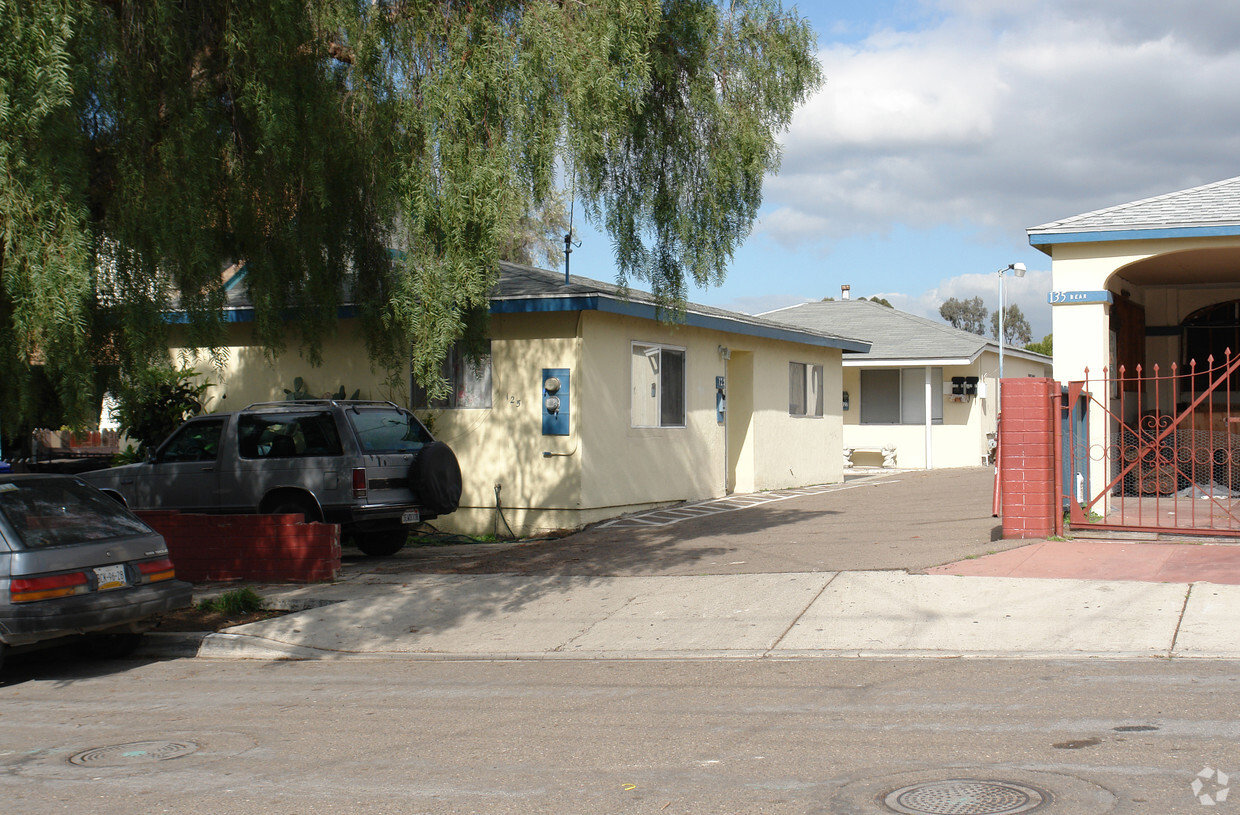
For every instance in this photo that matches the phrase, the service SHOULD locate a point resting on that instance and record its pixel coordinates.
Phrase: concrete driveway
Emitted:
(907, 520)
(820, 572)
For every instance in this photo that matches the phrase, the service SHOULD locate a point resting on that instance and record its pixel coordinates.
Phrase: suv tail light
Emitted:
(359, 482)
(29, 589)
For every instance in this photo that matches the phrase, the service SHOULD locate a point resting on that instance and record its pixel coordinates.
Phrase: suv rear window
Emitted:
(61, 511)
(281, 435)
(386, 430)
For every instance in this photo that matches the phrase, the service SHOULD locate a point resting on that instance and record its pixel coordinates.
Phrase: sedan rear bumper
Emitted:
(28, 623)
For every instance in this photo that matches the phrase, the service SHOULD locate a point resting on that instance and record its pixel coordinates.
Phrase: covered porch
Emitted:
(1146, 319)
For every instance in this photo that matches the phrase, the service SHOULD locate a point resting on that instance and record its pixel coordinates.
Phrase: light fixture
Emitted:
(1017, 269)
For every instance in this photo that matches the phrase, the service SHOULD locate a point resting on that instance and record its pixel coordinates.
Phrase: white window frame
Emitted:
(469, 383)
(936, 379)
(658, 394)
(806, 376)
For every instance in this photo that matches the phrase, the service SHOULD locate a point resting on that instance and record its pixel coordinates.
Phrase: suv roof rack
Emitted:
(341, 402)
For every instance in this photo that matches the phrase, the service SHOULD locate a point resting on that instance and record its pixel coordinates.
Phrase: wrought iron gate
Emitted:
(1163, 452)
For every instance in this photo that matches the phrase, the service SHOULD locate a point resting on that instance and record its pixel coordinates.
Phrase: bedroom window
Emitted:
(657, 382)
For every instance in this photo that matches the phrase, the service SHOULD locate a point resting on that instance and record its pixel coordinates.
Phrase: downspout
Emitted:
(929, 420)
(727, 471)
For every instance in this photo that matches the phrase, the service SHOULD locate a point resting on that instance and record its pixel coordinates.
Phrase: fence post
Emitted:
(1028, 420)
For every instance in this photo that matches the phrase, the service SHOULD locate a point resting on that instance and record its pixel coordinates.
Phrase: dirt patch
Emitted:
(198, 619)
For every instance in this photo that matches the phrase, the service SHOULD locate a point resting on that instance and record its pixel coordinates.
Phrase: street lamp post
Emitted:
(1017, 269)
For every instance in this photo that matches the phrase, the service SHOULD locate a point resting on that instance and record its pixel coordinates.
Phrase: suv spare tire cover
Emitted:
(435, 476)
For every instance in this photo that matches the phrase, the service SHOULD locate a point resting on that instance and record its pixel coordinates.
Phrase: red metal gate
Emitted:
(1163, 451)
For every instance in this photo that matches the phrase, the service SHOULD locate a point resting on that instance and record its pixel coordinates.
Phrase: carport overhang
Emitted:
(1205, 267)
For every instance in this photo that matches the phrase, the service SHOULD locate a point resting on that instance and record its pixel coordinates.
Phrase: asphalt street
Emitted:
(688, 668)
(224, 737)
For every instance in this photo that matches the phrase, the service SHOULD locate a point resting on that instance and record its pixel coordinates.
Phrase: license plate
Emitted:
(110, 577)
(411, 516)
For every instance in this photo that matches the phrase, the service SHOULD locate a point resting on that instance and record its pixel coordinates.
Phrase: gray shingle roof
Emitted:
(894, 334)
(1210, 205)
(525, 288)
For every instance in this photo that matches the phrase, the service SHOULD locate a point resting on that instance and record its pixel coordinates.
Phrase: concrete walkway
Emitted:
(694, 590)
(1109, 560)
(711, 616)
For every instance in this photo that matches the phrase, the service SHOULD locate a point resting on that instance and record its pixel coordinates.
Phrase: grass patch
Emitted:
(447, 539)
(235, 602)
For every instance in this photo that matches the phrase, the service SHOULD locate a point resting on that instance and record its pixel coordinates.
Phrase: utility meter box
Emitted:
(556, 405)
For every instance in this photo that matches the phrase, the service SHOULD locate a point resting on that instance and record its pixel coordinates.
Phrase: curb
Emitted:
(171, 645)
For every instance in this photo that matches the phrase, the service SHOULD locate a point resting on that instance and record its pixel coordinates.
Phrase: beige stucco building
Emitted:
(924, 391)
(1142, 283)
(639, 423)
(1149, 289)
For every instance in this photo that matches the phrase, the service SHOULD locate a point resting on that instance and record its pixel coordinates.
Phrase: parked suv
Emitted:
(369, 466)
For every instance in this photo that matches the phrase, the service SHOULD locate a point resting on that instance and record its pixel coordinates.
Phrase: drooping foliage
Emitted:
(384, 153)
(45, 261)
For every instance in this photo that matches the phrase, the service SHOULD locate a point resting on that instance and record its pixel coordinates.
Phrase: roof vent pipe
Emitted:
(844, 291)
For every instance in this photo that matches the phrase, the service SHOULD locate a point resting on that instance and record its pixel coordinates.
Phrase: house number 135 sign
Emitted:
(1078, 298)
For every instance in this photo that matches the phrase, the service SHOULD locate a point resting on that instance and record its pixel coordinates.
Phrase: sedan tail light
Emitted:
(359, 482)
(29, 589)
(153, 571)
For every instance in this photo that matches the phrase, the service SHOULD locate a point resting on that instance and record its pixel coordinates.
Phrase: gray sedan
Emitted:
(75, 562)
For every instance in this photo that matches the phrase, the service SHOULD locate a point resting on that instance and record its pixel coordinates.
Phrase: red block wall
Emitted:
(1027, 457)
(266, 548)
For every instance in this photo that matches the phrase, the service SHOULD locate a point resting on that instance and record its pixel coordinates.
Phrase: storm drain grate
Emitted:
(138, 752)
(965, 796)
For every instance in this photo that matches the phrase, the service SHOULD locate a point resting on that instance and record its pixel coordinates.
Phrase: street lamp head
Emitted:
(1018, 269)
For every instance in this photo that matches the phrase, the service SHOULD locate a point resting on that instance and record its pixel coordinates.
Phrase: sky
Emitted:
(946, 128)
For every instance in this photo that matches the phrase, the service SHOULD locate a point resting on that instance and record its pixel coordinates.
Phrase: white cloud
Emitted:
(1011, 114)
(1028, 292)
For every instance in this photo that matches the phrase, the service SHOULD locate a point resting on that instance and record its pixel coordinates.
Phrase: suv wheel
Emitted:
(381, 543)
(295, 505)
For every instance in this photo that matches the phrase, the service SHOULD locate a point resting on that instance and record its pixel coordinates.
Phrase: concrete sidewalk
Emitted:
(712, 616)
(852, 569)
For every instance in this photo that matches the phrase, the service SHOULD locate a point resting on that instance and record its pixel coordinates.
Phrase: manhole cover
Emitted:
(965, 796)
(137, 752)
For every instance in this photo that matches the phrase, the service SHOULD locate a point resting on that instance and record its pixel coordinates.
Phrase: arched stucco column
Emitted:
(1083, 342)
(1086, 346)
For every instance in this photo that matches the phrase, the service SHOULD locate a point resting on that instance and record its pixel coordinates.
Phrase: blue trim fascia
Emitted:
(648, 311)
(246, 315)
(539, 305)
(1079, 298)
(1159, 233)
(608, 305)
